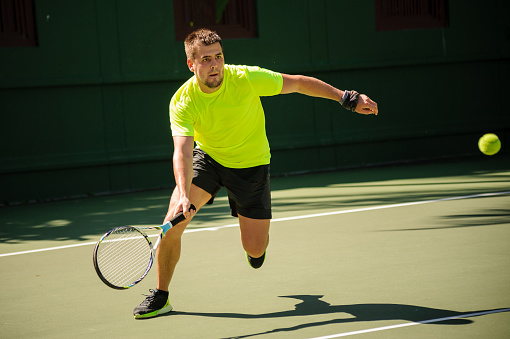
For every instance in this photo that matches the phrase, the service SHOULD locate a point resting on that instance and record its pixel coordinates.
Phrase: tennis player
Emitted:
(219, 108)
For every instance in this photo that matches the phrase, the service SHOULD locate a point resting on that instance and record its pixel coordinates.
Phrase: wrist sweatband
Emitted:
(350, 100)
(344, 97)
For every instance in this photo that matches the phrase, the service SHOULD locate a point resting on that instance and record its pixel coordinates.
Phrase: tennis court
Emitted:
(418, 251)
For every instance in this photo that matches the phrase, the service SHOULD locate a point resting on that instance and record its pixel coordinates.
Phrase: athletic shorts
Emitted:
(249, 189)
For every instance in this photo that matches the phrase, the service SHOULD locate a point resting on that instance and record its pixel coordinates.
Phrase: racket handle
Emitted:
(180, 216)
(175, 220)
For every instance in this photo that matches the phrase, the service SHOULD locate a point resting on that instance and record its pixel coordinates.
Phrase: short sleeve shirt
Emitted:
(228, 124)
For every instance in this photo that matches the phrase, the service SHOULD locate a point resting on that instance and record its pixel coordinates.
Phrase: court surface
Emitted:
(418, 251)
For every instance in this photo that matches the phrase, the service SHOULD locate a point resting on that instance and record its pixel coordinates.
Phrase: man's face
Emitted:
(208, 67)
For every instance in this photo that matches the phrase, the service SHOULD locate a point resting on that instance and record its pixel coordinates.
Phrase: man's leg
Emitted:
(169, 250)
(168, 255)
(254, 235)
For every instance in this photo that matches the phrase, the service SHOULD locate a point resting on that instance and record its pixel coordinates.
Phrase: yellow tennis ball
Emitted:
(489, 144)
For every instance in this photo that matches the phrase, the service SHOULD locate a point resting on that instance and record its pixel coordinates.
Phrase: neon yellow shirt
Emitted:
(228, 124)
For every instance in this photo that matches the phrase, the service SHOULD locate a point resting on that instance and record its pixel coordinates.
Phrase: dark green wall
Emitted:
(86, 111)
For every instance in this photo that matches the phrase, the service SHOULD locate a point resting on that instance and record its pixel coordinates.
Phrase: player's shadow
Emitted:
(313, 305)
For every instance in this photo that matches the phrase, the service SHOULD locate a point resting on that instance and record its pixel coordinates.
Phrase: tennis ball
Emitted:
(489, 144)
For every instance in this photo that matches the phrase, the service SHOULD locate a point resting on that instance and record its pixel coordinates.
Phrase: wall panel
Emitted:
(86, 111)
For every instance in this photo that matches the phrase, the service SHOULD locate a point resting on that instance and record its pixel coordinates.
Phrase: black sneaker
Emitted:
(256, 262)
(156, 303)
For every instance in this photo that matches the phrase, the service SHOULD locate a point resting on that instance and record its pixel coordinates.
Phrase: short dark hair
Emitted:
(204, 36)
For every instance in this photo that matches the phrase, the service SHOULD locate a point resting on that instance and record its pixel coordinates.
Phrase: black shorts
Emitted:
(249, 189)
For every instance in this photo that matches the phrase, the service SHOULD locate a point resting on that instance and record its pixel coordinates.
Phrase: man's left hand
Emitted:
(366, 105)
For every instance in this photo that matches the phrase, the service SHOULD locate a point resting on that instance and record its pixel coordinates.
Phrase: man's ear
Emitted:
(190, 65)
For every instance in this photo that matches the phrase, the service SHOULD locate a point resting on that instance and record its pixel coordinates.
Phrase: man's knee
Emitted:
(255, 250)
(254, 236)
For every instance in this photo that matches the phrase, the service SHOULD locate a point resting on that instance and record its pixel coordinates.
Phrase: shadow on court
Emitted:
(313, 305)
(487, 218)
(82, 218)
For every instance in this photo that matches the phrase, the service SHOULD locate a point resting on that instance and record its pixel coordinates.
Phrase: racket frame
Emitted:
(164, 228)
(149, 265)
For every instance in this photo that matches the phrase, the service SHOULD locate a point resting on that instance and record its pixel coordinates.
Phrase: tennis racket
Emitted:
(124, 255)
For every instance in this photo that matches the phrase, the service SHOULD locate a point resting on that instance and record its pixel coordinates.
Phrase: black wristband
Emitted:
(344, 97)
(350, 100)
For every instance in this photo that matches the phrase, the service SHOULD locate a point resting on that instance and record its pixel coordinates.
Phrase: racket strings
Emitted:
(124, 256)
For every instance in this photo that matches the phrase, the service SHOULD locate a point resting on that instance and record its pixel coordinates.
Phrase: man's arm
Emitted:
(183, 171)
(317, 88)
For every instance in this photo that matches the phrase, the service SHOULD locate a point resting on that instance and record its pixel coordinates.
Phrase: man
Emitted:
(219, 108)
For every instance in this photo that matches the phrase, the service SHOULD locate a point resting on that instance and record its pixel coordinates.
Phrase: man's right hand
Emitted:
(184, 205)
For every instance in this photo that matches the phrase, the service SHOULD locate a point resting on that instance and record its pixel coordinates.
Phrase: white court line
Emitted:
(377, 329)
(483, 195)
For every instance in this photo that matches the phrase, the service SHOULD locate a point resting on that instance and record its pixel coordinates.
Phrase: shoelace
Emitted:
(150, 298)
